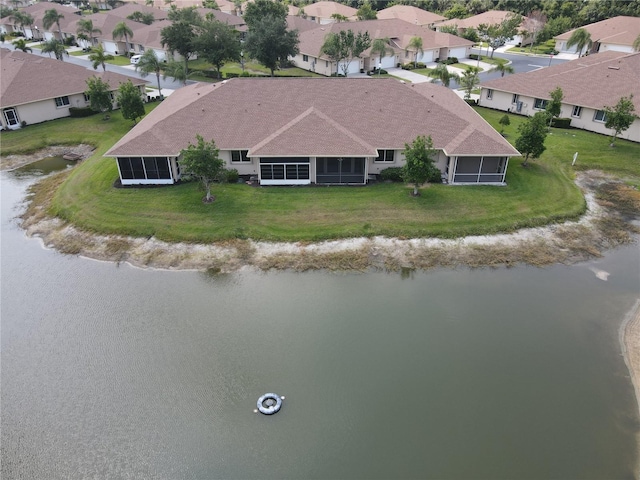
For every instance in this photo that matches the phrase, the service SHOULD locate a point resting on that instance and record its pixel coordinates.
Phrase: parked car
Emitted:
(135, 59)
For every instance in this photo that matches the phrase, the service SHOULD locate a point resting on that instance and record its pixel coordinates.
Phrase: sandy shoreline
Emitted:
(565, 243)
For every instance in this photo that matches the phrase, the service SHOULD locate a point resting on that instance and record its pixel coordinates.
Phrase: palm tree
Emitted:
(21, 19)
(339, 18)
(122, 30)
(56, 47)
(443, 74)
(21, 44)
(86, 30)
(52, 17)
(581, 39)
(150, 63)
(469, 80)
(502, 68)
(381, 47)
(175, 70)
(636, 44)
(99, 57)
(416, 44)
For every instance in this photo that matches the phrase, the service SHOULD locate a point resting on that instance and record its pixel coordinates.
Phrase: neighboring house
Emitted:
(321, 12)
(37, 30)
(435, 45)
(35, 89)
(617, 33)
(413, 15)
(299, 131)
(491, 17)
(128, 8)
(588, 84)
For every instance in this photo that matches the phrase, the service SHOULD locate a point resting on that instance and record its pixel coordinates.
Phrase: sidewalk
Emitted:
(408, 75)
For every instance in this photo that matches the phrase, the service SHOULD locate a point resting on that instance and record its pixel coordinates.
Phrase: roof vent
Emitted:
(611, 67)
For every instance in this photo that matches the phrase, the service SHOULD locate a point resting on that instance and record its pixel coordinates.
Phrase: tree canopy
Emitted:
(420, 165)
(581, 38)
(270, 42)
(52, 17)
(180, 35)
(150, 63)
(99, 95)
(99, 57)
(122, 30)
(497, 34)
(130, 101)
(469, 80)
(442, 73)
(365, 12)
(217, 43)
(256, 11)
(554, 106)
(56, 47)
(202, 161)
(533, 133)
(620, 117)
(416, 44)
(344, 46)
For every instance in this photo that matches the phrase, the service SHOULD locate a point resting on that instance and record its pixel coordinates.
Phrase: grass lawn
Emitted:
(199, 67)
(534, 196)
(119, 60)
(541, 49)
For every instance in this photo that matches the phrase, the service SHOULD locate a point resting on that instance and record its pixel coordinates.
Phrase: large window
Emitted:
(385, 156)
(305, 58)
(239, 156)
(284, 170)
(539, 104)
(600, 116)
(144, 168)
(577, 111)
(515, 98)
(62, 101)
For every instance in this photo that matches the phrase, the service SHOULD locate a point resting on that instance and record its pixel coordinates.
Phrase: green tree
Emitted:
(450, 29)
(456, 11)
(420, 165)
(504, 122)
(22, 19)
(496, 35)
(120, 31)
(381, 47)
(56, 47)
(469, 80)
(99, 95)
(581, 39)
(180, 36)
(211, 4)
(339, 18)
(217, 43)
(554, 106)
(533, 133)
(21, 44)
(365, 12)
(258, 10)
(502, 68)
(86, 30)
(620, 117)
(175, 70)
(99, 57)
(141, 17)
(130, 101)
(442, 73)
(202, 162)
(415, 44)
(270, 42)
(150, 63)
(344, 46)
(52, 17)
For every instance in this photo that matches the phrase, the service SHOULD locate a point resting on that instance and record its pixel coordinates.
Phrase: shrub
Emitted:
(247, 74)
(392, 174)
(231, 75)
(436, 177)
(407, 66)
(231, 175)
(81, 112)
(470, 101)
(561, 123)
(474, 56)
(421, 65)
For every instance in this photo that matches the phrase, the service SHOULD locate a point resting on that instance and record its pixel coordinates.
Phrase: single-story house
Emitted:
(36, 31)
(588, 84)
(300, 131)
(490, 17)
(435, 45)
(617, 33)
(411, 14)
(321, 12)
(35, 89)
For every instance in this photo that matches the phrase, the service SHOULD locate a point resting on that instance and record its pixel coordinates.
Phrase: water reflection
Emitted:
(126, 373)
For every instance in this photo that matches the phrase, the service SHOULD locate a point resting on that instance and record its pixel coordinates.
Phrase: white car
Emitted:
(135, 59)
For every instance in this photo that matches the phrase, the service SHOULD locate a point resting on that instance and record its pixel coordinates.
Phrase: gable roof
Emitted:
(399, 31)
(490, 17)
(27, 78)
(307, 116)
(324, 9)
(411, 14)
(593, 81)
(618, 30)
(128, 8)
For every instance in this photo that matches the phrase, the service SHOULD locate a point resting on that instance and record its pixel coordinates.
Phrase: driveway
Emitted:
(408, 75)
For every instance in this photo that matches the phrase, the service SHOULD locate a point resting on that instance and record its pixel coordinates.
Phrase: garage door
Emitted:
(426, 57)
(388, 62)
(110, 47)
(458, 52)
(354, 66)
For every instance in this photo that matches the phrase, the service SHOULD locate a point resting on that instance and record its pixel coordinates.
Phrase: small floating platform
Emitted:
(73, 157)
(269, 403)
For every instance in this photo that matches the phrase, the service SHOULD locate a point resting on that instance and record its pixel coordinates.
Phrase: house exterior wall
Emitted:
(616, 48)
(586, 120)
(243, 168)
(44, 110)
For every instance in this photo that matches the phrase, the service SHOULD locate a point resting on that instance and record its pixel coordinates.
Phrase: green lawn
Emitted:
(534, 196)
(545, 48)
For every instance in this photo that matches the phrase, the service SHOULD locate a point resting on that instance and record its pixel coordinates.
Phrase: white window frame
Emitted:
(515, 99)
(539, 104)
(576, 112)
(241, 156)
(489, 94)
(60, 101)
(604, 116)
(305, 58)
(384, 155)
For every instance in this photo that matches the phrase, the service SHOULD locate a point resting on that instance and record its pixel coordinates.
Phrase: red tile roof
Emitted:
(312, 116)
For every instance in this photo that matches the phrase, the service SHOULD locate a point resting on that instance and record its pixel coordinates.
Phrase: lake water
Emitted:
(110, 371)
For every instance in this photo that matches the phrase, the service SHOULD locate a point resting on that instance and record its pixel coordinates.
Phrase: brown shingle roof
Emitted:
(27, 78)
(325, 9)
(411, 14)
(619, 30)
(491, 17)
(594, 81)
(306, 116)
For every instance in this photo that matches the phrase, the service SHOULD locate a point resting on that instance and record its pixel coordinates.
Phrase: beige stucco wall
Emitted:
(243, 168)
(322, 66)
(44, 110)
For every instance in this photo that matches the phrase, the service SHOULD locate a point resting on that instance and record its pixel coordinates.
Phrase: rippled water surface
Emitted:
(115, 372)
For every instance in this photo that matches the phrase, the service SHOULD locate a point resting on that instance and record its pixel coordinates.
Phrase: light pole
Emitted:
(242, 61)
(379, 68)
